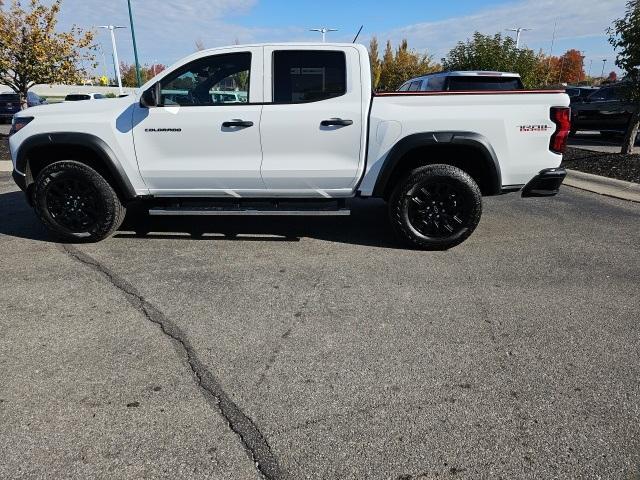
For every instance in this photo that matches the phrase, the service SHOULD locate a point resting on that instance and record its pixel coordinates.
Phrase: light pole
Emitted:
(589, 75)
(111, 29)
(518, 31)
(604, 63)
(135, 47)
(561, 69)
(324, 31)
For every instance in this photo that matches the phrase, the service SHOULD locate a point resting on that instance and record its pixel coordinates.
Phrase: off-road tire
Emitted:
(76, 203)
(418, 207)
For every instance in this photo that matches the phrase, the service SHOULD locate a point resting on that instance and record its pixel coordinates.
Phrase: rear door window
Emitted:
(301, 76)
(602, 95)
(436, 84)
(415, 86)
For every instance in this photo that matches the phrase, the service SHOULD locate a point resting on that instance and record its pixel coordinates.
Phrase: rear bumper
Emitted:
(21, 180)
(545, 184)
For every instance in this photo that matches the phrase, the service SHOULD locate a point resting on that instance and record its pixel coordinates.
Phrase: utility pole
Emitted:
(135, 47)
(553, 42)
(324, 31)
(590, 66)
(518, 31)
(111, 29)
(561, 69)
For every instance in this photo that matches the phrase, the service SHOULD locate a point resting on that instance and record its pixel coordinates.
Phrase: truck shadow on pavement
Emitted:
(368, 225)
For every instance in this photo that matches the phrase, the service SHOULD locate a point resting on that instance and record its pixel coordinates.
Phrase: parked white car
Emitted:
(311, 135)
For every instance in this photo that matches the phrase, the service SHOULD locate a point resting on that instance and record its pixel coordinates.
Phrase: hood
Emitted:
(106, 105)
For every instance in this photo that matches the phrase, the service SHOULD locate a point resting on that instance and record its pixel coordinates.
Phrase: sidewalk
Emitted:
(6, 166)
(603, 185)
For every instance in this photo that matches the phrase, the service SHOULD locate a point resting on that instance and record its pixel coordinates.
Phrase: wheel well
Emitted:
(41, 156)
(470, 159)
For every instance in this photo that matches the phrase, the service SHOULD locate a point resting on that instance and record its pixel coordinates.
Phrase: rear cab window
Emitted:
(301, 76)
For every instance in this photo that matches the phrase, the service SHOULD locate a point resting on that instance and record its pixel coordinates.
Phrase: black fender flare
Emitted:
(423, 139)
(76, 139)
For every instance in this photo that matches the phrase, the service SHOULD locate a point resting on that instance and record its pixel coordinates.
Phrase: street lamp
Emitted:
(135, 47)
(111, 29)
(518, 31)
(604, 63)
(324, 31)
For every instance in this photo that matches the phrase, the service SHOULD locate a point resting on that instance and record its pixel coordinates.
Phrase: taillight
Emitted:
(18, 123)
(561, 116)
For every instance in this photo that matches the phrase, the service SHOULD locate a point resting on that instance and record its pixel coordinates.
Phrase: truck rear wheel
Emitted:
(436, 207)
(76, 203)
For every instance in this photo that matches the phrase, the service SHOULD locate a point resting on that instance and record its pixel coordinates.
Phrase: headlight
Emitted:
(18, 123)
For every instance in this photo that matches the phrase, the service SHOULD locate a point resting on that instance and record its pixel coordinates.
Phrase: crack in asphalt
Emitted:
(252, 439)
(299, 315)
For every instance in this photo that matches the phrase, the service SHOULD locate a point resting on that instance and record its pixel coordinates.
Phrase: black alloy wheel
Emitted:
(436, 207)
(73, 203)
(77, 203)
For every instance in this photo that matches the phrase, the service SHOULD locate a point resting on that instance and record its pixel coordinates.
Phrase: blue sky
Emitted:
(168, 29)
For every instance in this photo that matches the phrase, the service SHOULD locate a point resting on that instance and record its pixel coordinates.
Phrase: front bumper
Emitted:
(21, 180)
(545, 184)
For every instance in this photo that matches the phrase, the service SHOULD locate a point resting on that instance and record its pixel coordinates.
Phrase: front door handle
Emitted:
(237, 123)
(336, 122)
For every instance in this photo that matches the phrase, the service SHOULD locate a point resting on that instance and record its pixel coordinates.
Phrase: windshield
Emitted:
(484, 83)
(9, 97)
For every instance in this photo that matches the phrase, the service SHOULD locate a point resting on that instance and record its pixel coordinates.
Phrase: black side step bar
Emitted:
(322, 208)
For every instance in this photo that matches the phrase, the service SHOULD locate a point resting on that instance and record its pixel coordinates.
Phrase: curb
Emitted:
(6, 166)
(604, 186)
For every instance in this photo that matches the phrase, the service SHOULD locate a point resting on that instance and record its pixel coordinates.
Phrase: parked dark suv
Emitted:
(10, 104)
(605, 111)
(579, 94)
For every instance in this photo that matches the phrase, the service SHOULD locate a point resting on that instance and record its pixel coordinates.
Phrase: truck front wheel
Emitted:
(76, 203)
(436, 207)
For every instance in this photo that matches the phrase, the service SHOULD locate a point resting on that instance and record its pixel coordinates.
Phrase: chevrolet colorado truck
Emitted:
(300, 133)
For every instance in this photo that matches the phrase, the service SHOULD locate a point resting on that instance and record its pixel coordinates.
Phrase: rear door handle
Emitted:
(336, 122)
(237, 123)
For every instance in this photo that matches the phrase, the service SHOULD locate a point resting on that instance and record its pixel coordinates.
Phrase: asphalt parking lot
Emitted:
(594, 141)
(318, 348)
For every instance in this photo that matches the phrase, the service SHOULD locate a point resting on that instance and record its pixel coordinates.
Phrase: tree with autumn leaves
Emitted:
(147, 72)
(481, 52)
(397, 66)
(567, 68)
(32, 51)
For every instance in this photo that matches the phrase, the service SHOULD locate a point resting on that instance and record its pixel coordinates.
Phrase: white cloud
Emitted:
(166, 30)
(577, 20)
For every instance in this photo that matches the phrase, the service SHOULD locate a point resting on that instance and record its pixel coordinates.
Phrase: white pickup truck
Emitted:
(301, 133)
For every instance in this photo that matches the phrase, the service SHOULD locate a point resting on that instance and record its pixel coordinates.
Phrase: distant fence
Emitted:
(64, 90)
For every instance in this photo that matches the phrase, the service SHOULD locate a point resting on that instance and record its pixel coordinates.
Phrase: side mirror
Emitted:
(151, 97)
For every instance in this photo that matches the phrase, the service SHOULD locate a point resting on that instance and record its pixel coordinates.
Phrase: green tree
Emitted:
(396, 68)
(624, 35)
(496, 53)
(32, 51)
(376, 65)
